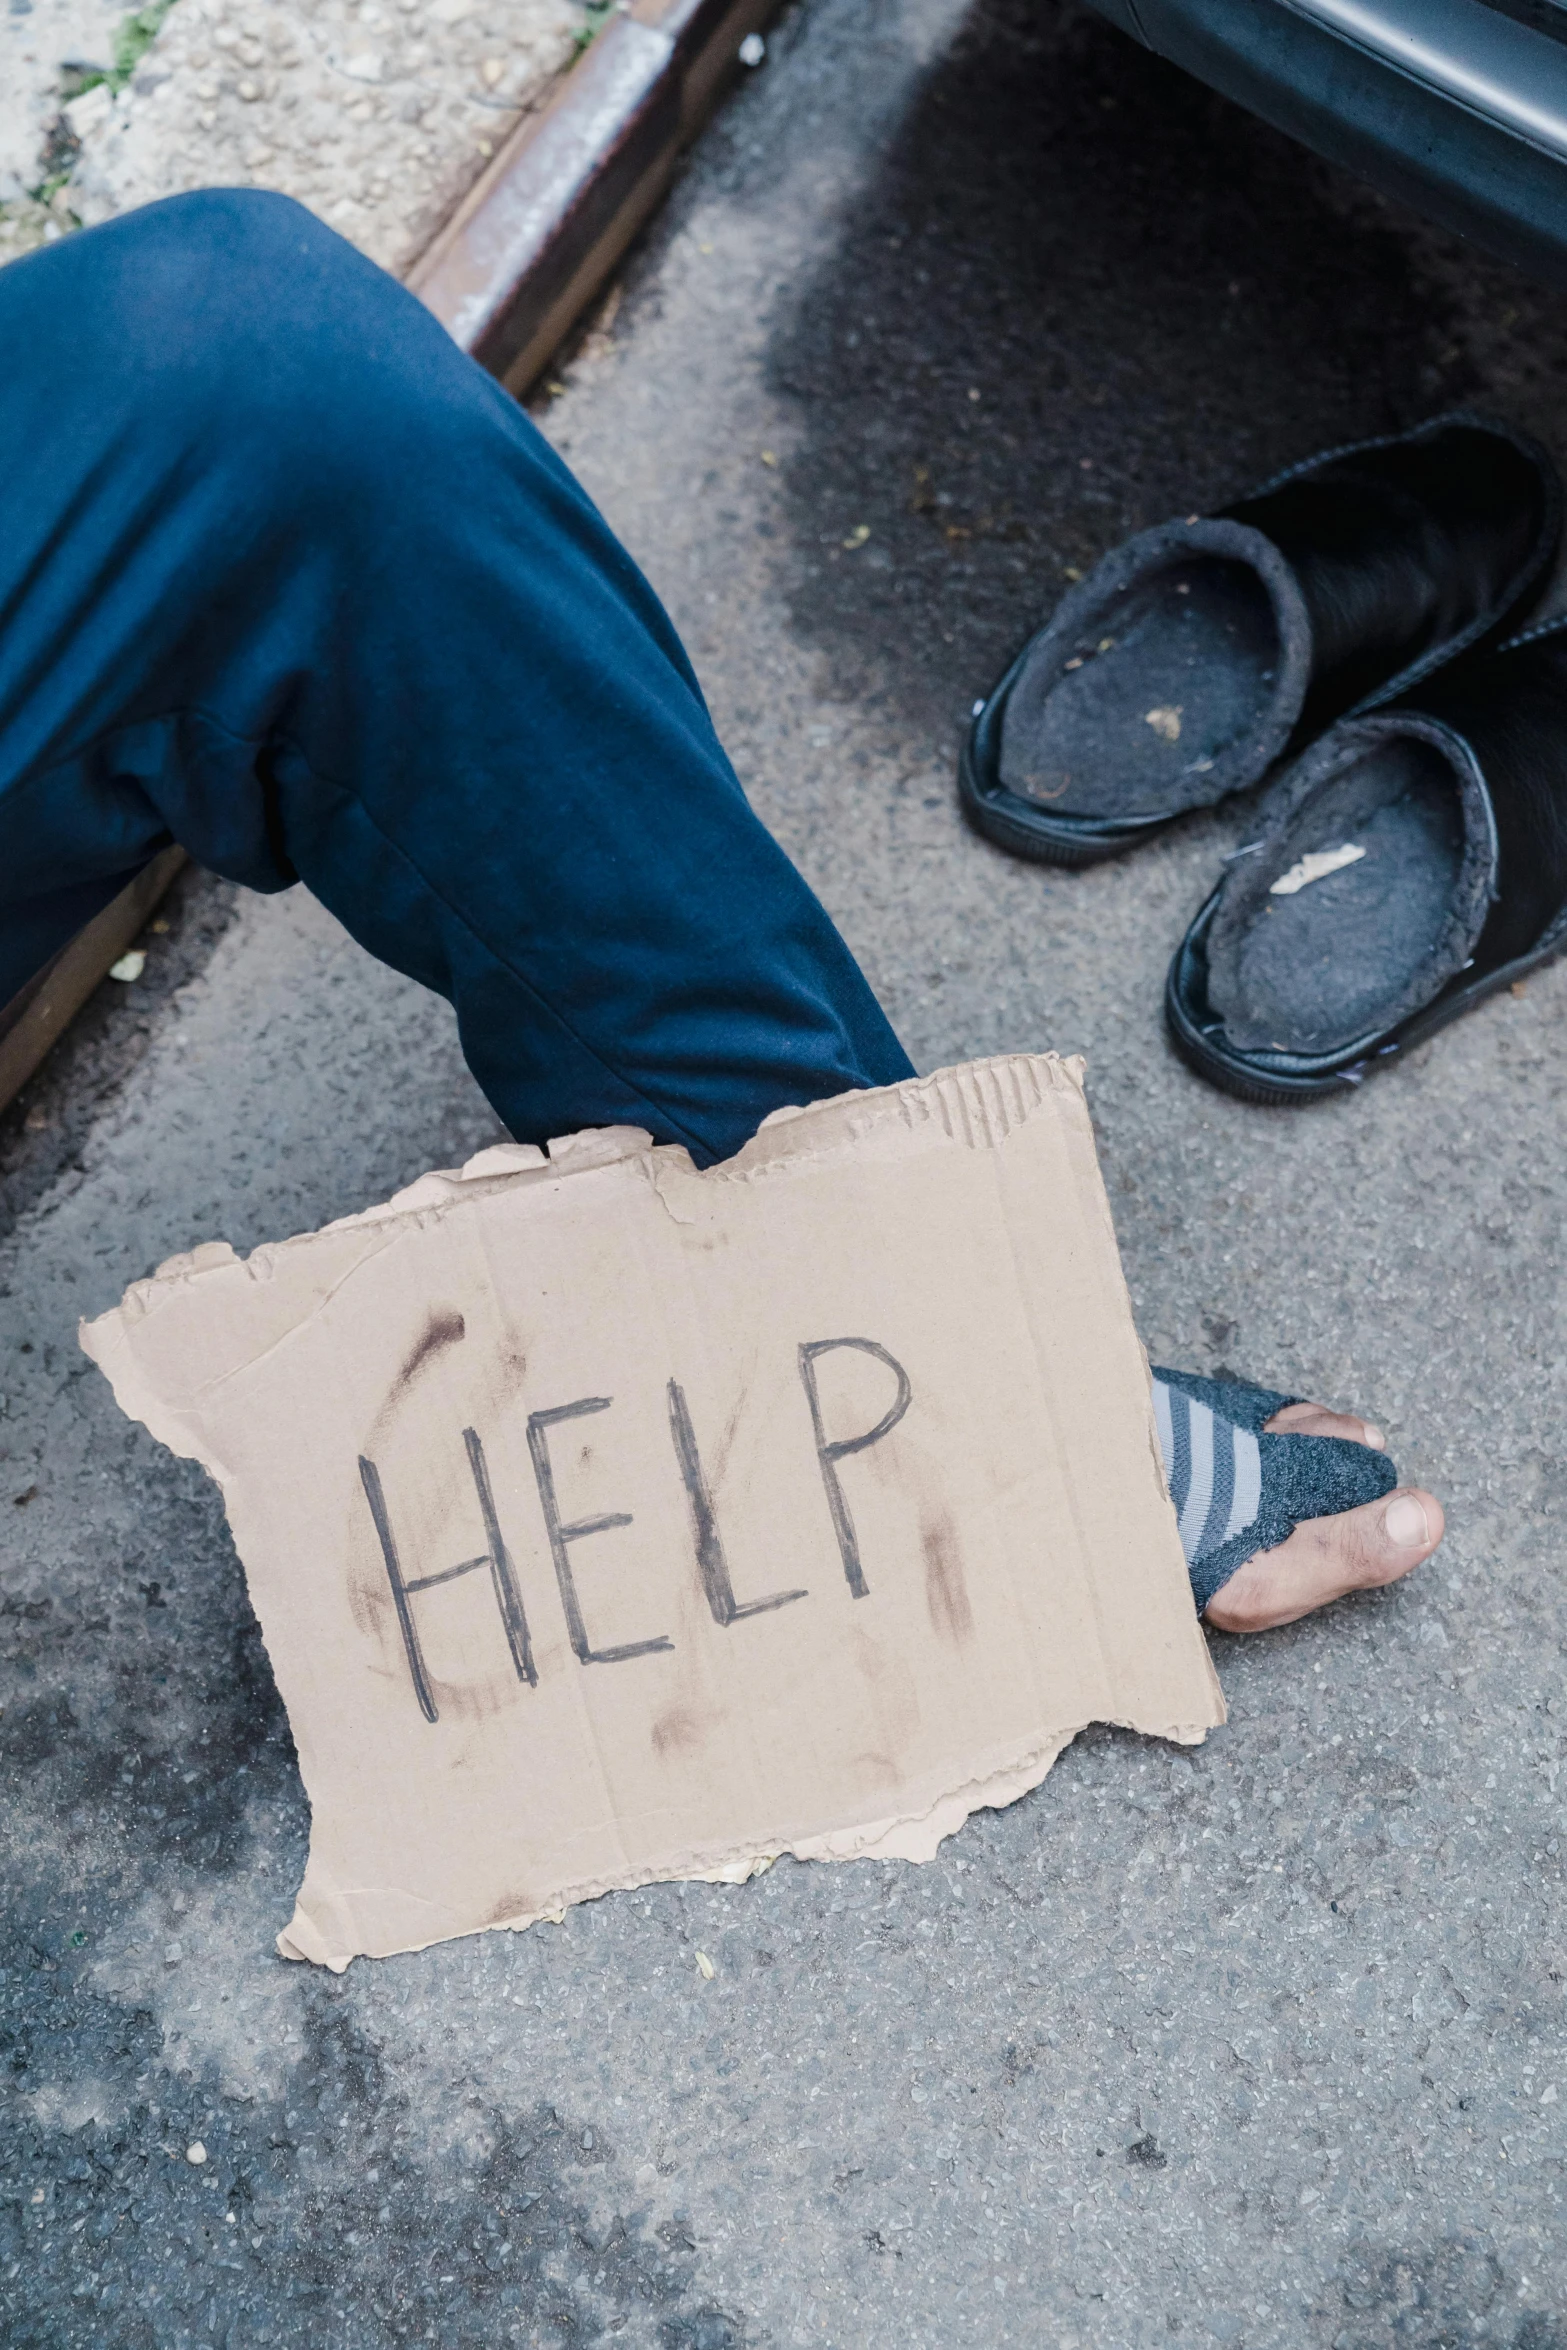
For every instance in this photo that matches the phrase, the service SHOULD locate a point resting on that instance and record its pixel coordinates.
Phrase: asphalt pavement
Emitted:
(1260, 2044)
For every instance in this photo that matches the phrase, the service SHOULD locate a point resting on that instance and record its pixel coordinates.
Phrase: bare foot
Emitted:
(1328, 1557)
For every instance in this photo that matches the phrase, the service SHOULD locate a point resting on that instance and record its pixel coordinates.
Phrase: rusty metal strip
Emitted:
(542, 231)
(39, 1013)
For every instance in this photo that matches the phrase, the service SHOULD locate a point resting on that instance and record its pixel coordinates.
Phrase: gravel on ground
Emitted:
(379, 116)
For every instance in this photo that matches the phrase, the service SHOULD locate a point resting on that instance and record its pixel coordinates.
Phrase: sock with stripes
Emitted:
(1237, 1491)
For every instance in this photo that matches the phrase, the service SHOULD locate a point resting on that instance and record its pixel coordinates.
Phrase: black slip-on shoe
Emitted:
(1412, 863)
(1200, 652)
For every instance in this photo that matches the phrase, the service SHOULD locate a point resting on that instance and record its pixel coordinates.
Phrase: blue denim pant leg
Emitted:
(286, 578)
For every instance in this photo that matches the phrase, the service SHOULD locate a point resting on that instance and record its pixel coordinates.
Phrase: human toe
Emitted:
(1315, 1419)
(1327, 1558)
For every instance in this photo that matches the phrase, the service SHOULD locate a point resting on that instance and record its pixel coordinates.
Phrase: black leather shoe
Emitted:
(1200, 652)
(1411, 864)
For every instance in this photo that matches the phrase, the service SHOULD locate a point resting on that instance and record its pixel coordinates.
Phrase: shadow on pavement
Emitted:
(1083, 293)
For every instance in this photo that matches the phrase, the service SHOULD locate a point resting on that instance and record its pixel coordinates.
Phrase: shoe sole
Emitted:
(1270, 1089)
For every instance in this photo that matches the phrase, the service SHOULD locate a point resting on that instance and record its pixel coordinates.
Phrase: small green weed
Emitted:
(135, 37)
(597, 15)
(132, 40)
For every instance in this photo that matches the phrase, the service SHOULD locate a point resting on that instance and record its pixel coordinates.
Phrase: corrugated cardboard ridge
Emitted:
(978, 1102)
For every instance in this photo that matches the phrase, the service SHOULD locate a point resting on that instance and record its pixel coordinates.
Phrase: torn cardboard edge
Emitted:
(900, 1838)
(1025, 1572)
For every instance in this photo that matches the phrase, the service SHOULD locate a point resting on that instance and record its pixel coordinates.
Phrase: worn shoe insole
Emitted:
(1133, 715)
(1309, 969)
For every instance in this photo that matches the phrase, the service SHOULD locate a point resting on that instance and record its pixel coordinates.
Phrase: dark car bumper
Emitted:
(1457, 106)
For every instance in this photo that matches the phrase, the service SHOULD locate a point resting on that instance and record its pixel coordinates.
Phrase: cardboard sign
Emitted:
(610, 1521)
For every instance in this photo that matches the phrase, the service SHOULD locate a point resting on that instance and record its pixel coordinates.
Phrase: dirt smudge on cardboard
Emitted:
(511, 1905)
(946, 1593)
(682, 1728)
(444, 1328)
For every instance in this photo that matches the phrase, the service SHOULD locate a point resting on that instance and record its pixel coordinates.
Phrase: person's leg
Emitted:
(287, 578)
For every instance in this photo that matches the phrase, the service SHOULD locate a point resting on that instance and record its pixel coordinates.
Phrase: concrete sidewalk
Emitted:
(380, 119)
(1261, 2044)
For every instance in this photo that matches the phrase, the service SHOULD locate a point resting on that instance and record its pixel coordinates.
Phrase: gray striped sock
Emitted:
(1213, 1470)
(1238, 1490)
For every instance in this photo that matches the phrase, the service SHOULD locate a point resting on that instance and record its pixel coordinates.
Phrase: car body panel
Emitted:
(1458, 107)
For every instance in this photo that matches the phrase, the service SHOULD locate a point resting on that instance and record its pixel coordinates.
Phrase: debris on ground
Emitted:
(1315, 865)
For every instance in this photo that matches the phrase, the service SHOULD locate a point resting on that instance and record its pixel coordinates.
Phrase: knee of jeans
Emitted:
(268, 327)
(200, 259)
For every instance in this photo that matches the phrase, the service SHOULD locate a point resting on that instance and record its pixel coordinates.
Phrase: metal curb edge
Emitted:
(540, 234)
(41, 1011)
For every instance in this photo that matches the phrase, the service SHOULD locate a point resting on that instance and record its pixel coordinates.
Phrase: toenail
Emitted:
(1374, 1436)
(1405, 1522)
